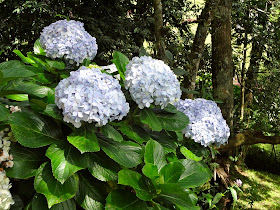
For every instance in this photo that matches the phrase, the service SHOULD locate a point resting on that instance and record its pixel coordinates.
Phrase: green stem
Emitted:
(131, 116)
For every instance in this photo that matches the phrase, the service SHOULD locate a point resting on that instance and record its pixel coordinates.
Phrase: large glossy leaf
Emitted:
(26, 161)
(53, 190)
(14, 69)
(33, 130)
(154, 154)
(148, 117)
(171, 119)
(150, 170)
(135, 133)
(4, 112)
(125, 153)
(195, 174)
(102, 167)
(23, 58)
(18, 97)
(124, 200)
(40, 202)
(84, 139)
(174, 194)
(111, 133)
(172, 172)
(16, 87)
(165, 140)
(65, 161)
(137, 182)
(90, 195)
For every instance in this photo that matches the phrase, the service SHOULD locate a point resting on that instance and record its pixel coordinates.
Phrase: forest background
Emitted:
(244, 46)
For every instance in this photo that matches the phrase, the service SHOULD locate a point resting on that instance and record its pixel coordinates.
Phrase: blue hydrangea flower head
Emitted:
(207, 125)
(91, 96)
(68, 40)
(151, 81)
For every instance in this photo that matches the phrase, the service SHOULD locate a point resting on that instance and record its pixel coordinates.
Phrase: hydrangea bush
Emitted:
(83, 139)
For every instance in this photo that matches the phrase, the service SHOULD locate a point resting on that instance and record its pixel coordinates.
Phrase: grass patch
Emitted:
(261, 190)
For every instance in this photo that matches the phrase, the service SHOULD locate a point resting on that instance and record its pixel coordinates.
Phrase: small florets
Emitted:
(151, 81)
(68, 40)
(91, 96)
(207, 125)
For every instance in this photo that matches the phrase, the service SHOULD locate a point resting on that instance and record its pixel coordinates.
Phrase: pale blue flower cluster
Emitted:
(91, 96)
(207, 125)
(68, 40)
(151, 81)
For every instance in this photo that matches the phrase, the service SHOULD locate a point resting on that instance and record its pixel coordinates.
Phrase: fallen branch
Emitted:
(248, 138)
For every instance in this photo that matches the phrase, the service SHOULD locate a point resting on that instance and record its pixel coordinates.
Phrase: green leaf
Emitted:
(111, 133)
(14, 69)
(172, 172)
(165, 140)
(217, 198)
(32, 130)
(90, 195)
(148, 117)
(234, 195)
(4, 112)
(173, 193)
(66, 160)
(179, 71)
(195, 174)
(53, 111)
(120, 60)
(135, 133)
(38, 50)
(26, 87)
(17, 97)
(40, 202)
(26, 161)
(53, 190)
(169, 55)
(124, 153)
(154, 154)
(84, 139)
(102, 167)
(137, 182)
(124, 200)
(189, 155)
(23, 58)
(172, 121)
(150, 171)
(56, 64)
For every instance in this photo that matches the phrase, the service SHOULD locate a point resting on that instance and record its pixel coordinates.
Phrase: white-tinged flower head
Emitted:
(6, 199)
(91, 96)
(151, 81)
(207, 125)
(68, 40)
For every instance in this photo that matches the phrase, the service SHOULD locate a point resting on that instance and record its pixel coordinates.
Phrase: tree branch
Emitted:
(248, 138)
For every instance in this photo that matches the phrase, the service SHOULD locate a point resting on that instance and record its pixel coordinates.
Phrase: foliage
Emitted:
(133, 163)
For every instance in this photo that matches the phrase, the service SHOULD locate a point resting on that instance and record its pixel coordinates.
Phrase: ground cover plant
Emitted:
(95, 137)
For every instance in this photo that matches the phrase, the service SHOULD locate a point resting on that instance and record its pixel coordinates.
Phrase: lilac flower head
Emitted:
(151, 81)
(68, 40)
(238, 182)
(207, 125)
(91, 96)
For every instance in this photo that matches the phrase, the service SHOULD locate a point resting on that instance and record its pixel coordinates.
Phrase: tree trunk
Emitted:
(243, 71)
(198, 46)
(256, 55)
(160, 47)
(222, 67)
